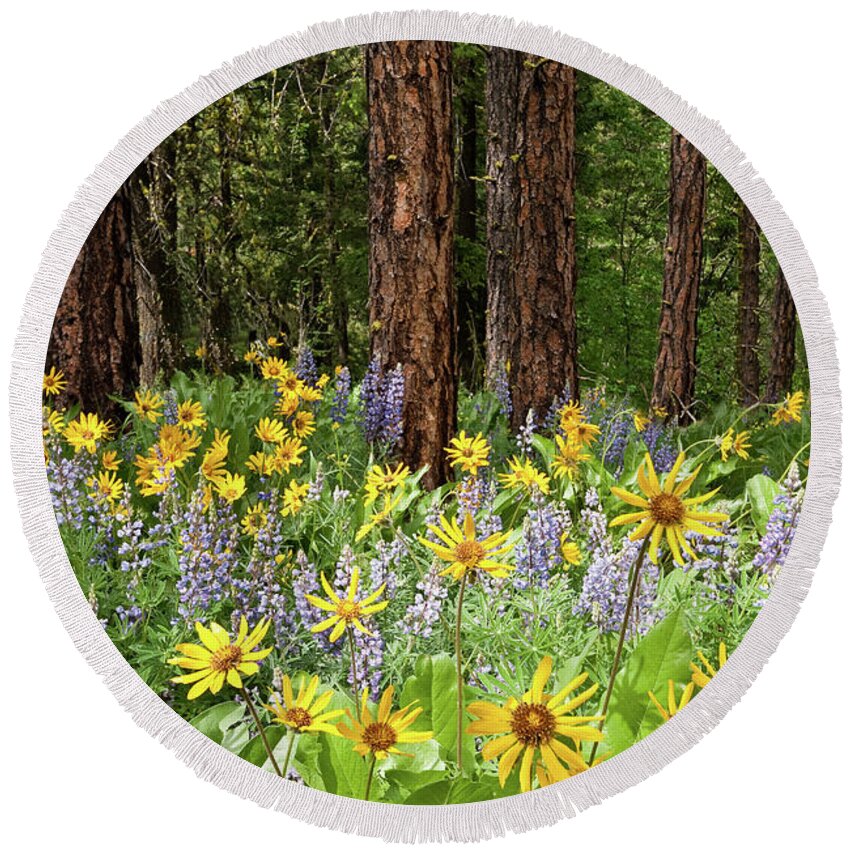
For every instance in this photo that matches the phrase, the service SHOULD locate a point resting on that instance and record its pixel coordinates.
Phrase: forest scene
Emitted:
(426, 422)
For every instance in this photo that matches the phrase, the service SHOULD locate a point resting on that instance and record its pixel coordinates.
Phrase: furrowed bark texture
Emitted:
(748, 308)
(531, 274)
(411, 246)
(675, 366)
(783, 345)
(95, 336)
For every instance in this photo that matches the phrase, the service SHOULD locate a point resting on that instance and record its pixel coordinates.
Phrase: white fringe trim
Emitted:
(473, 821)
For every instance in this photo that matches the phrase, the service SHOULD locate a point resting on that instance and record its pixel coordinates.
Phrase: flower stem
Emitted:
(459, 658)
(622, 638)
(260, 729)
(288, 753)
(351, 651)
(369, 778)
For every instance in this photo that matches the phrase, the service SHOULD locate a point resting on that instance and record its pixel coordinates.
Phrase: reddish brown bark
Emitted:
(675, 365)
(783, 317)
(95, 336)
(531, 211)
(411, 203)
(749, 244)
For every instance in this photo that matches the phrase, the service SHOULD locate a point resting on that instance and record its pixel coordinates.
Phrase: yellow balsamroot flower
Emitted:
(309, 394)
(201, 352)
(261, 463)
(641, 420)
(378, 517)
(230, 486)
(273, 342)
(108, 486)
(190, 415)
(109, 461)
(148, 405)
(52, 421)
(702, 677)
(288, 454)
(303, 424)
(347, 611)
(289, 382)
(534, 727)
(569, 551)
(293, 498)
(583, 433)
(175, 446)
(53, 381)
(731, 442)
(566, 461)
(570, 415)
(272, 368)
(213, 465)
(85, 431)
(383, 480)
(378, 735)
(220, 660)
(287, 404)
(673, 707)
(323, 381)
(254, 520)
(790, 409)
(251, 356)
(664, 510)
(469, 453)
(305, 712)
(270, 430)
(524, 475)
(659, 412)
(464, 553)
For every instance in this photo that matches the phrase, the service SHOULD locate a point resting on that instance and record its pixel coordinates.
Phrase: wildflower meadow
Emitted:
(257, 551)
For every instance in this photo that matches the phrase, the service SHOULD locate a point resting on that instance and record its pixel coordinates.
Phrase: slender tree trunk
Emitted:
(411, 238)
(471, 295)
(503, 71)
(154, 243)
(531, 207)
(748, 307)
(95, 336)
(783, 345)
(675, 366)
(339, 300)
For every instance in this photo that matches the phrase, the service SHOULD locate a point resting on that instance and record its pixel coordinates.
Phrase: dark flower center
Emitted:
(379, 737)
(666, 509)
(533, 724)
(226, 658)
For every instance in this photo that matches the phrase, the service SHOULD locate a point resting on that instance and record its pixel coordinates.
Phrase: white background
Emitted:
(76, 77)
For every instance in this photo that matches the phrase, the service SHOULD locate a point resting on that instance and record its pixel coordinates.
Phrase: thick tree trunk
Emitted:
(749, 244)
(339, 299)
(95, 336)
(783, 345)
(154, 243)
(411, 245)
(675, 366)
(531, 212)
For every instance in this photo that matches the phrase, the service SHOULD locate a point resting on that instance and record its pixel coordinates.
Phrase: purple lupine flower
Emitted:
(501, 388)
(538, 552)
(207, 556)
(305, 580)
(659, 443)
(382, 568)
(169, 412)
(616, 427)
(422, 614)
(781, 525)
(317, 485)
(382, 399)
(605, 586)
(558, 403)
(342, 393)
(305, 366)
(66, 480)
(716, 563)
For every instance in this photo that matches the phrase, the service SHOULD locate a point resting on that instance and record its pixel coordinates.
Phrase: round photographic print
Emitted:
(426, 422)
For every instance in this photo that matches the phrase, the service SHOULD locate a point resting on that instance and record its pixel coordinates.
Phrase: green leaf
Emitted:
(452, 791)
(255, 752)
(665, 653)
(761, 492)
(434, 687)
(215, 722)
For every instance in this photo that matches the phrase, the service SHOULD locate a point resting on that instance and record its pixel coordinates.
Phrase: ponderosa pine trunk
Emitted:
(531, 266)
(411, 239)
(749, 251)
(675, 366)
(158, 298)
(95, 335)
(783, 317)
